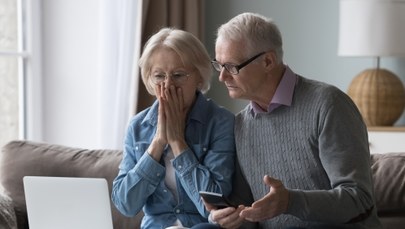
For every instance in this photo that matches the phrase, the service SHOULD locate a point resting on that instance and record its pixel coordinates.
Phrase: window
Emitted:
(45, 46)
(12, 57)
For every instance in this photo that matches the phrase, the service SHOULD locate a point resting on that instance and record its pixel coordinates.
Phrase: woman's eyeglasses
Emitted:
(178, 78)
(232, 68)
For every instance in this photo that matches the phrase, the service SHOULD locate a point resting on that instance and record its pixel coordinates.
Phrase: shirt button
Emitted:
(136, 147)
(177, 211)
(164, 190)
(204, 149)
(158, 174)
(179, 167)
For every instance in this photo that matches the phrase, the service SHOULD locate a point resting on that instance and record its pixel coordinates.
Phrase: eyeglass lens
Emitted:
(232, 68)
(177, 77)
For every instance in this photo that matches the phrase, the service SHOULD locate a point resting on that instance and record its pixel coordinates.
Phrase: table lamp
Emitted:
(374, 28)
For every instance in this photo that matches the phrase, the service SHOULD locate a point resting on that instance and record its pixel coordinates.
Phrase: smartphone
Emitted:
(216, 199)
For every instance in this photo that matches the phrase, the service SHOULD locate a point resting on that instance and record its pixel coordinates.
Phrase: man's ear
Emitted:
(270, 60)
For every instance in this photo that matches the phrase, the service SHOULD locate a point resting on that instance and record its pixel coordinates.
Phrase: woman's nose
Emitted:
(169, 81)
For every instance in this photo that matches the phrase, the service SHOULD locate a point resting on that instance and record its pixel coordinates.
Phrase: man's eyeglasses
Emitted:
(178, 78)
(231, 68)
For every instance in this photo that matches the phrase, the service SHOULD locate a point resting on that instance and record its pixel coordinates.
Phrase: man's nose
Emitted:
(223, 75)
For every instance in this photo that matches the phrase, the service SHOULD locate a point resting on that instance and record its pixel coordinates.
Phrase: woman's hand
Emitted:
(159, 141)
(175, 119)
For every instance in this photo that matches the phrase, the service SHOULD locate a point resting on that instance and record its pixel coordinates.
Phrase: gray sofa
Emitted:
(21, 158)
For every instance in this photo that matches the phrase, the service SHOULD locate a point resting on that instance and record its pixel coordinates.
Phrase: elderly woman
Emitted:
(182, 144)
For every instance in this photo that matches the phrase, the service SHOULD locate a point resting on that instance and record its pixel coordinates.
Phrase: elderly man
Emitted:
(301, 144)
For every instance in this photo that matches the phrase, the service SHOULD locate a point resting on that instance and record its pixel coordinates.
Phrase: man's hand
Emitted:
(228, 217)
(271, 205)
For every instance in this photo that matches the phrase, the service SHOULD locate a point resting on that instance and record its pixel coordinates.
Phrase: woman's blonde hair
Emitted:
(190, 49)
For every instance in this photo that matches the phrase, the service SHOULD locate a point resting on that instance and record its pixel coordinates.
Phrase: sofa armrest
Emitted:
(7, 214)
(389, 182)
(26, 158)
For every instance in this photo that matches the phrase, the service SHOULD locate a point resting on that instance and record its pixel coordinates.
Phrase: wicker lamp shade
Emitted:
(380, 96)
(374, 28)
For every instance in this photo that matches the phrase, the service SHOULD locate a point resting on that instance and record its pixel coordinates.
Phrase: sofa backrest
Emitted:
(22, 158)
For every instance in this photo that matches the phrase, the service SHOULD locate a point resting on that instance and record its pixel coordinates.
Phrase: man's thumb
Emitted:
(271, 182)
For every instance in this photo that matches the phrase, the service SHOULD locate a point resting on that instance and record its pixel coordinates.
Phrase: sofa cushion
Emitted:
(389, 181)
(23, 158)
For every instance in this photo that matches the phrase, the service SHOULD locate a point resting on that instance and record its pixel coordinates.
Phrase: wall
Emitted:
(310, 33)
(70, 32)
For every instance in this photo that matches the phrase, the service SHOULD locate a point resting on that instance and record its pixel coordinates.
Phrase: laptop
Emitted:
(67, 203)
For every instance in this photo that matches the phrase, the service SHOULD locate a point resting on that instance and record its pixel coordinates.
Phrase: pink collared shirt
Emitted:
(284, 93)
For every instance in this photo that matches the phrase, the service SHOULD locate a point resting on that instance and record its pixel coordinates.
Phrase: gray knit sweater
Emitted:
(318, 148)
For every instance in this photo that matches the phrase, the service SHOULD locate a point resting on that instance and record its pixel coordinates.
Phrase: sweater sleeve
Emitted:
(344, 154)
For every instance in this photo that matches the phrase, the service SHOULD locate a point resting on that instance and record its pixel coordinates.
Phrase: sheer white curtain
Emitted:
(120, 34)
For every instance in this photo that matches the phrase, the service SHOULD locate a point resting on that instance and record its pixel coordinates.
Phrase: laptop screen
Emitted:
(67, 203)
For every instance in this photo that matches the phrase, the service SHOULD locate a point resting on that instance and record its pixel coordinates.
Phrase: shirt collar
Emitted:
(283, 95)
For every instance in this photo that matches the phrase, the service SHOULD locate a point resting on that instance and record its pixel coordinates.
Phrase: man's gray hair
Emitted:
(259, 32)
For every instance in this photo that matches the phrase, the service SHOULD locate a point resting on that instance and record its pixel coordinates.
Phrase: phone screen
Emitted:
(216, 199)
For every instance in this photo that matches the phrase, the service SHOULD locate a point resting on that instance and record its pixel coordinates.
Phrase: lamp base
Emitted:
(380, 96)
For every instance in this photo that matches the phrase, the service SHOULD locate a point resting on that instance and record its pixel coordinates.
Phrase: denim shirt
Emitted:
(207, 164)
